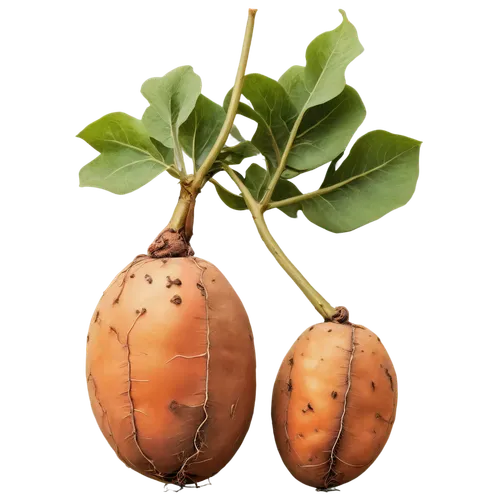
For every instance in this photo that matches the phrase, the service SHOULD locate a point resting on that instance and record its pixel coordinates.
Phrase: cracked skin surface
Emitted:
(334, 404)
(148, 357)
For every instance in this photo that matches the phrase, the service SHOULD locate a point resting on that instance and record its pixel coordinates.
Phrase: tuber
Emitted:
(334, 404)
(171, 368)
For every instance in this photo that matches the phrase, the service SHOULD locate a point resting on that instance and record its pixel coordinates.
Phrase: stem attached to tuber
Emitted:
(173, 241)
(256, 209)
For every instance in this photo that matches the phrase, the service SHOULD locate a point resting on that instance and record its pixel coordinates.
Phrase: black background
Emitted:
(383, 275)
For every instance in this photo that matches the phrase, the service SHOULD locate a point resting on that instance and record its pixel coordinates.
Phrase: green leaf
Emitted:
(286, 189)
(256, 179)
(200, 131)
(128, 158)
(327, 58)
(234, 155)
(115, 130)
(236, 133)
(330, 173)
(326, 131)
(274, 113)
(167, 154)
(119, 173)
(172, 98)
(293, 82)
(378, 176)
(234, 201)
(312, 94)
(290, 173)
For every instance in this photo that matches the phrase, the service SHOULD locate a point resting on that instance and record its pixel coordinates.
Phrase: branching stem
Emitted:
(191, 185)
(313, 296)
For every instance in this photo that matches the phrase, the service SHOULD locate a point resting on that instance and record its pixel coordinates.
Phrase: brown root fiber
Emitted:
(172, 383)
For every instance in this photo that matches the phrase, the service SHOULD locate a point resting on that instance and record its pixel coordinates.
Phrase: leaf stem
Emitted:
(232, 109)
(282, 165)
(316, 299)
(312, 194)
(178, 155)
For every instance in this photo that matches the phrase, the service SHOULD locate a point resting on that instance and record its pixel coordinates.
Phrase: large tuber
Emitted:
(171, 368)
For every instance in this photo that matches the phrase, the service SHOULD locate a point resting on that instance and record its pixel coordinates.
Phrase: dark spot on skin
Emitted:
(389, 376)
(302, 354)
(311, 328)
(164, 260)
(300, 435)
(96, 317)
(213, 280)
(373, 352)
(369, 335)
(378, 339)
(88, 338)
(381, 365)
(143, 310)
(329, 330)
(176, 299)
(373, 385)
(148, 278)
(250, 336)
(308, 408)
(289, 385)
(322, 359)
(316, 430)
(174, 405)
(137, 311)
(290, 361)
(201, 288)
(309, 459)
(362, 350)
(116, 300)
(171, 282)
(377, 415)
(334, 394)
(132, 276)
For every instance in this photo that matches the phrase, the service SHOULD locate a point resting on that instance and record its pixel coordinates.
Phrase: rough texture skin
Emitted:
(171, 368)
(334, 404)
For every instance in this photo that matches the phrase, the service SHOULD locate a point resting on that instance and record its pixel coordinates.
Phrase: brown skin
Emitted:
(334, 404)
(171, 368)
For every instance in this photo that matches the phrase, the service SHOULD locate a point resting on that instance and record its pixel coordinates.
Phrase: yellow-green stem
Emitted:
(191, 185)
(313, 194)
(282, 165)
(256, 209)
(232, 109)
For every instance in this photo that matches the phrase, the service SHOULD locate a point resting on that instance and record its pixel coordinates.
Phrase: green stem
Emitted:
(232, 109)
(178, 156)
(312, 194)
(181, 211)
(256, 209)
(190, 186)
(282, 165)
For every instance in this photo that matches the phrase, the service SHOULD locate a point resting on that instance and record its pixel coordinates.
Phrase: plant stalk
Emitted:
(312, 194)
(256, 209)
(232, 109)
(181, 211)
(282, 165)
(173, 241)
